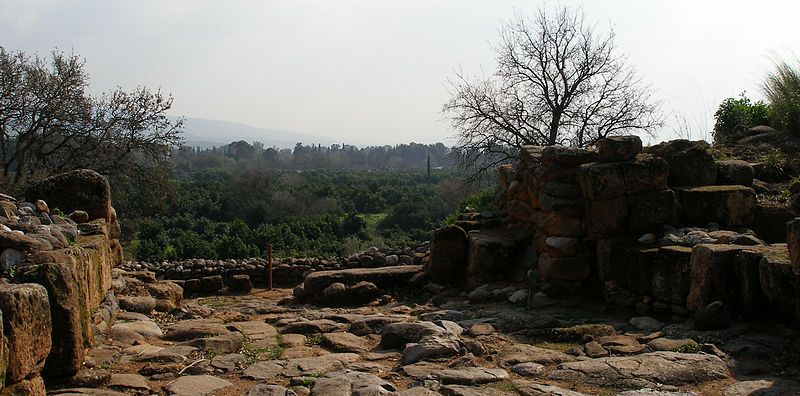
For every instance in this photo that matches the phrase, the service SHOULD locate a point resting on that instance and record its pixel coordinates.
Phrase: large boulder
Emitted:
(690, 163)
(448, 259)
(81, 189)
(726, 205)
(355, 280)
(26, 326)
(607, 180)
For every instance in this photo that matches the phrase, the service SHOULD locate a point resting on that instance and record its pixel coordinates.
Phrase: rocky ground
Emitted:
(403, 344)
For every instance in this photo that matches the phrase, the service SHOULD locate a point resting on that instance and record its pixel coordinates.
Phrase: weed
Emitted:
(314, 339)
(316, 374)
(307, 382)
(689, 347)
(274, 352)
(209, 354)
(773, 158)
(504, 386)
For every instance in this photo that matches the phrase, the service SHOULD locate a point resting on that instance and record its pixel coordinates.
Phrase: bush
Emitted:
(735, 116)
(782, 89)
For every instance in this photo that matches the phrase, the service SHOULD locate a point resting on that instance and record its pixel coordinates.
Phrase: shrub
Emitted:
(782, 89)
(735, 116)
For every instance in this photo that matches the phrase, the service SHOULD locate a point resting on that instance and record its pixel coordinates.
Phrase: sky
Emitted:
(376, 72)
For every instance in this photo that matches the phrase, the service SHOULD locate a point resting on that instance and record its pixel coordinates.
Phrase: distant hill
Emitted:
(207, 133)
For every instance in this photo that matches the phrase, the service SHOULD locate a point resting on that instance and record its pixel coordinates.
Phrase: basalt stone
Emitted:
(81, 189)
(211, 284)
(689, 162)
(730, 172)
(567, 155)
(726, 205)
(26, 326)
(448, 259)
(619, 148)
(240, 284)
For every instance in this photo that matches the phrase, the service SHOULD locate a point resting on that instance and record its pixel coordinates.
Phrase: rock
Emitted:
(351, 383)
(666, 344)
(714, 316)
(140, 304)
(479, 329)
(172, 354)
(211, 284)
(81, 189)
(316, 282)
(645, 370)
(313, 326)
(646, 323)
(9, 258)
(727, 205)
(618, 148)
(240, 284)
(462, 390)
(448, 259)
(195, 385)
(269, 390)
(228, 362)
(90, 378)
(621, 345)
(654, 392)
(471, 375)
(79, 216)
(195, 328)
(345, 342)
(524, 353)
(492, 255)
(399, 334)
(563, 269)
(33, 386)
(26, 327)
(18, 241)
(292, 340)
(225, 343)
(448, 314)
(734, 172)
(143, 328)
(528, 369)
(593, 349)
(600, 181)
(689, 163)
(480, 294)
(297, 352)
(770, 386)
(128, 381)
(431, 346)
(528, 388)
(168, 295)
(373, 324)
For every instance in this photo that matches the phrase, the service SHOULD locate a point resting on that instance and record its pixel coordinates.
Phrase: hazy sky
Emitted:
(375, 72)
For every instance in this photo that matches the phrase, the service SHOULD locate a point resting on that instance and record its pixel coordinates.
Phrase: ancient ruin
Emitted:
(621, 270)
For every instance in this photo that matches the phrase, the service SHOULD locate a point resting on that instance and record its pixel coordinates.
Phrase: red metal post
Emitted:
(269, 268)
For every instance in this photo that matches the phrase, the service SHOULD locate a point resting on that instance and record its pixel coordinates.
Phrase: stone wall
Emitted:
(663, 229)
(286, 271)
(61, 269)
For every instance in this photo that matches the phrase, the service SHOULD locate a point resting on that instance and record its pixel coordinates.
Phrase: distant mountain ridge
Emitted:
(207, 133)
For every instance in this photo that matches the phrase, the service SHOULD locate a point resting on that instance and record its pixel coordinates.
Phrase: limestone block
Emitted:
(726, 205)
(448, 260)
(619, 148)
(793, 240)
(734, 172)
(26, 326)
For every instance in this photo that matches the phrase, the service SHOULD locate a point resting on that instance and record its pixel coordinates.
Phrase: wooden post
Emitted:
(269, 267)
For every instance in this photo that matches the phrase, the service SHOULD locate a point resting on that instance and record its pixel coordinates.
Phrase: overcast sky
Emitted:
(375, 72)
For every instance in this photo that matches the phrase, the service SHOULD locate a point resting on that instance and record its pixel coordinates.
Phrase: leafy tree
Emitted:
(557, 82)
(49, 124)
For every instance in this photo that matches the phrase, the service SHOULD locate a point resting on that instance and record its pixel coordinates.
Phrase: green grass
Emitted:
(689, 347)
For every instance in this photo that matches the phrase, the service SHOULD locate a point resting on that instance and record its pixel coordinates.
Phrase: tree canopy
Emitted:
(557, 81)
(49, 124)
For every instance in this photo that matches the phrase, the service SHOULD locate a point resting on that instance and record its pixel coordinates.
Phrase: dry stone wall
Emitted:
(61, 268)
(664, 229)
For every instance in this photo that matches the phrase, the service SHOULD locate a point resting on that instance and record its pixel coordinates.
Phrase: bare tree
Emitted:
(49, 124)
(556, 82)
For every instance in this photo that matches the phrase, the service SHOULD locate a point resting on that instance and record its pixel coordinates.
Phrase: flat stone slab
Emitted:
(346, 342)
(269, 390)
(195, 385)
(528, 388)
(524, 353)
(195, 328)
(128, 381)
(316, 282)
(471, 375)
(313, 326)
(462, 390)
(145, 328)
(640, 371)
(300, 366)
(770, 386)
(351, 383)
